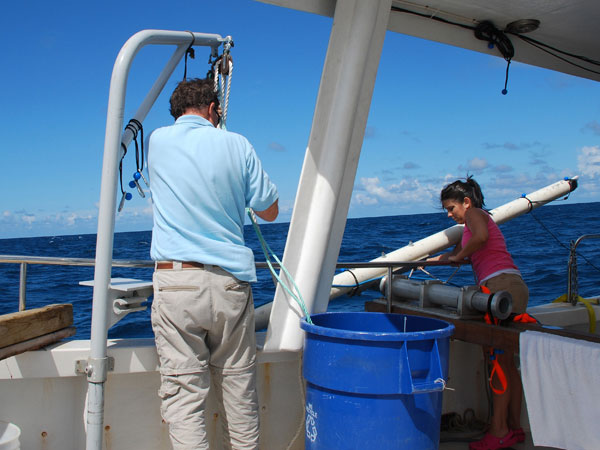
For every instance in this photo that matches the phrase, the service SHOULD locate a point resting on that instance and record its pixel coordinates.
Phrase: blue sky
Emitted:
(437, 112)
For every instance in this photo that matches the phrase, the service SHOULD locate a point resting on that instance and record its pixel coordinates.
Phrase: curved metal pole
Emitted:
(572, 282)
(97, 363)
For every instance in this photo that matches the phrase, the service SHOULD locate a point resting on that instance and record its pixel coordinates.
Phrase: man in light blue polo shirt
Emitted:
(202, 178)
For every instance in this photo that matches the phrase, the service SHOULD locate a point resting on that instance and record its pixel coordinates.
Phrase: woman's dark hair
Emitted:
(195, 93)
(459, 190)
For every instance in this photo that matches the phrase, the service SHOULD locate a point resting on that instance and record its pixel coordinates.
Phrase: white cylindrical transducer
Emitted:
(9, 436)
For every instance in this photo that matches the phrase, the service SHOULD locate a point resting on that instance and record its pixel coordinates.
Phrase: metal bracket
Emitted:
(464, 307)
(95, 369)
(126, 296)
(424, 301)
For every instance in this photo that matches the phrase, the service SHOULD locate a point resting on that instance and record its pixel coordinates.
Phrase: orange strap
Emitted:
(497, 370)
(524, 318)
(488, 319)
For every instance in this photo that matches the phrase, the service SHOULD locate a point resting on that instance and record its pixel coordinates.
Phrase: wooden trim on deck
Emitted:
(24, 325)
(36, 343)
(478, 332)
(35, 328)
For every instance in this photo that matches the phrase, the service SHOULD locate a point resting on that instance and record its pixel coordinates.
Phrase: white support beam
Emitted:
(329, 169)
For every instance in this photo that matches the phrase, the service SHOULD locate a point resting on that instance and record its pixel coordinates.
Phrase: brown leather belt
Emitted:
(184, 265)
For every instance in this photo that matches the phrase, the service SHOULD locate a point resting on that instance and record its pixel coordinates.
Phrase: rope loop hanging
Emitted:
(221, 74)
(191, 53)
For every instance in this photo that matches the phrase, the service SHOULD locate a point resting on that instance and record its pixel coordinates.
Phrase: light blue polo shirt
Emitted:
(202, 178)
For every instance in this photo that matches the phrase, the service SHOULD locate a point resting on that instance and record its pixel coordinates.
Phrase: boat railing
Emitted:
(572, 282)
(25, 261)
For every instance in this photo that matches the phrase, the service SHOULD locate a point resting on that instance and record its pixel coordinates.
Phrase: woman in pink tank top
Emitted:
(483, 245)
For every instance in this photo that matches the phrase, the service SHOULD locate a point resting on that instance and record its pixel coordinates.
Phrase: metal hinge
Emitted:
(95, 369)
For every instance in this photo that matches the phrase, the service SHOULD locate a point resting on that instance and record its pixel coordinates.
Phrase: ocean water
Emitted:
(538, 241)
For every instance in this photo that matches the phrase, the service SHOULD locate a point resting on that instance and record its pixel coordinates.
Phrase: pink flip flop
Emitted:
(519, 434)
(491, 442)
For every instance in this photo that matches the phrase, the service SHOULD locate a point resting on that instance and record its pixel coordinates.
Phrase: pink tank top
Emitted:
(492, 258)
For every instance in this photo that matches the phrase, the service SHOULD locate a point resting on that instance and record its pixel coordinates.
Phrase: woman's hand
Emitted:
(457, 259)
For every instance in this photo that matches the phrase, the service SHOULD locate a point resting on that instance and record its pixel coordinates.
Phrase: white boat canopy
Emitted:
(564, 25)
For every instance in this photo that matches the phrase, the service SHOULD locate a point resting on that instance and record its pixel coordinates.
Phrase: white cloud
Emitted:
(477, 164)
(24, 223)
(407, 190)
(365, 199)
(588, 161)
(28, 218)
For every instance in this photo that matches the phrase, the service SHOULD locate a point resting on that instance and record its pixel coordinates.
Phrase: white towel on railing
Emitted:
(561, 381)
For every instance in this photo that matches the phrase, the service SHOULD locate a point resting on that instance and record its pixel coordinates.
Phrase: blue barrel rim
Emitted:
(446, 329)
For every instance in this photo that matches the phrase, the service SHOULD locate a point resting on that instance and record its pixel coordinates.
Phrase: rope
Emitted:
(530, 206)
(356, 285)
(552, 234)
(267, 251)
(546, 48)
(300, 429)
(134, 126)
(540, 45)
(443, 383)
(221, 73)
(189, 51)
(497, 370)
(588, 306)
(454, 422)
(226, 107)
(216, 78)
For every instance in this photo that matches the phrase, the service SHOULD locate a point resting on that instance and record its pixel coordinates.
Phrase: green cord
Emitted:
(266, 250)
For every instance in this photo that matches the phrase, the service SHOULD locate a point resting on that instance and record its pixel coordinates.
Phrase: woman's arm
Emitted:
(446, 256)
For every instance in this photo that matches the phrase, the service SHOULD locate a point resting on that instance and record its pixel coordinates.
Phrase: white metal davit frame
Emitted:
(97, 364)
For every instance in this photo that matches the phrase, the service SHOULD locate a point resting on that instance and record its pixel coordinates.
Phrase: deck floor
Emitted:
(527, 445)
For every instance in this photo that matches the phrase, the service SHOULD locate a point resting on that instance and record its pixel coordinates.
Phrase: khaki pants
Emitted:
(203, 322)
(515, 286)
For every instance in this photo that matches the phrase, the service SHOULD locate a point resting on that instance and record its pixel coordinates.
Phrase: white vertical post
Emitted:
(97, 363)
(330, 164)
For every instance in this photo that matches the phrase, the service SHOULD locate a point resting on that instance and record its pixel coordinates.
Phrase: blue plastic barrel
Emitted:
(374, 380)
